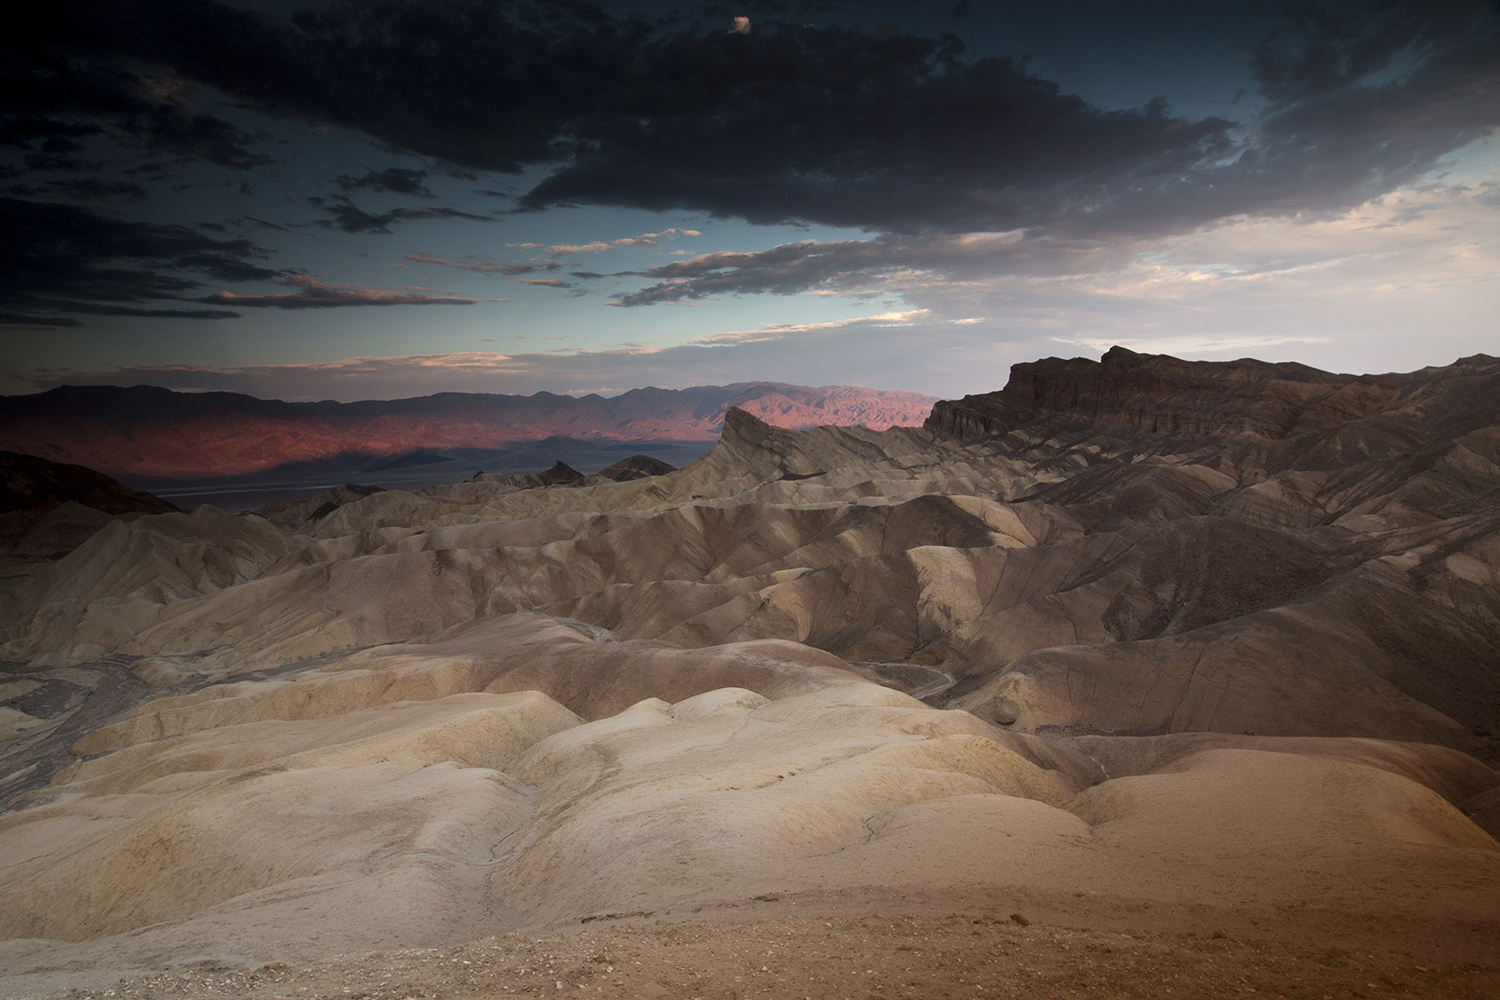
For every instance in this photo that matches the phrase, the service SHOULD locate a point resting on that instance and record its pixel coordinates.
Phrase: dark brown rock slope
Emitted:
(47, 507)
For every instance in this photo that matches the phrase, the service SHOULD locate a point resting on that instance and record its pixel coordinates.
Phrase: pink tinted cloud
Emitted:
(508, 268)
(643, 240)
(318, 295)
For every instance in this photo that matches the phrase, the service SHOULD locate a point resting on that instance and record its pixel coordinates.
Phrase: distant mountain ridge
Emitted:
(146, 431)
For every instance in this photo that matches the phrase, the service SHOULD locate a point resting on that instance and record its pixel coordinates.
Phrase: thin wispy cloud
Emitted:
(508, 268)
(313, 294)
(643, 240)
(783, 331)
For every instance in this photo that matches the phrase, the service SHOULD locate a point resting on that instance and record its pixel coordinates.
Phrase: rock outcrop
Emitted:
(1163, 396)
(48, 508)
(636, 467)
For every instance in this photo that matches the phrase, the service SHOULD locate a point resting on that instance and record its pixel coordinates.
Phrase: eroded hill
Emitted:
(1203, 641)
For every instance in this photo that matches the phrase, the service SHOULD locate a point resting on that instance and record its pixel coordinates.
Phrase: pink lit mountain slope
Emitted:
(152, 432)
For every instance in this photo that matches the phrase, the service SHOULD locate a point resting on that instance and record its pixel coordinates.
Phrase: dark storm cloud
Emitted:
(58, 259)
(314, 294)
(833, 125)
(169, 129)
(94, 188)
(396, 180)
(352, 219)
(1326, 47)
(902, 135)
(840, 128)
(54, 103)
(24, 131)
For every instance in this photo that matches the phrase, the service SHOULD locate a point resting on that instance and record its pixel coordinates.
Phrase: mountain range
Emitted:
(149, 433)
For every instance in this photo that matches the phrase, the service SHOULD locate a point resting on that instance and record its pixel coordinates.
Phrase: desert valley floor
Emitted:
(1141, 677)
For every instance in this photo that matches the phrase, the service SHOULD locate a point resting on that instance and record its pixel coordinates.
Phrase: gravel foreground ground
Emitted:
(858, 959)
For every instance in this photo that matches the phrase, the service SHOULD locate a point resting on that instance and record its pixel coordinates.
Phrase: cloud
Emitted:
(816, 357)
(823, 124)
(835, 125)
(894, 264)
(59, 261)
(97, 189)
(1427, 236)
(974, 176)
(351, 219)
(396, 180)
(176, 132)
(643, 240)
(317, 295)
(1360, 288)
(548, 282)
(345, 379)
(487, 266)
(785, 331)
(59, 102)
(1292, 289)
(567, 248)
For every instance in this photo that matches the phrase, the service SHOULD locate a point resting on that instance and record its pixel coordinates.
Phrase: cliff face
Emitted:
(1162, 395)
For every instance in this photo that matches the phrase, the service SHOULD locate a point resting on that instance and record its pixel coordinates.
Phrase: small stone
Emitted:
(1020, 918)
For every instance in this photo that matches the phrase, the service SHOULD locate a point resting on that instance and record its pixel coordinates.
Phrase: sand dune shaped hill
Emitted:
(1200, 646)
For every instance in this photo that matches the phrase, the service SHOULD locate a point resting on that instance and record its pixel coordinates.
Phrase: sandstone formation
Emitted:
(1140, 638)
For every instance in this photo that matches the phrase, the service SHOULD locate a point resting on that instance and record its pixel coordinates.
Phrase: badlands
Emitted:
(1140, 675)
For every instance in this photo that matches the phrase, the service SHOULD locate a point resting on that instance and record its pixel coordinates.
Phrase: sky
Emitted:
(389, 198)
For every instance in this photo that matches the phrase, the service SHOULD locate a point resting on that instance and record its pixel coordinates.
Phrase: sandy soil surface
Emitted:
(970, 955)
